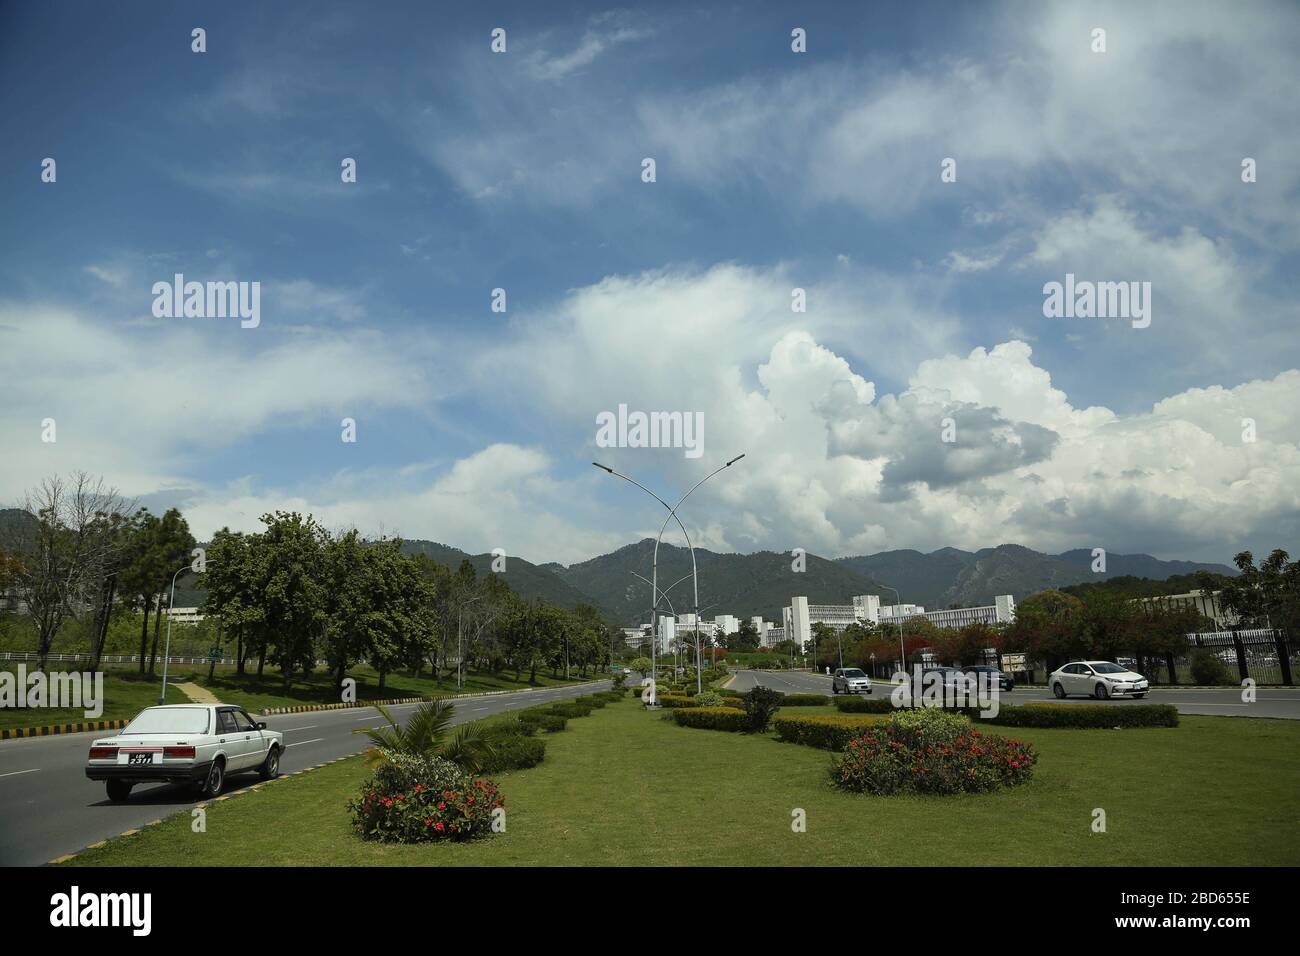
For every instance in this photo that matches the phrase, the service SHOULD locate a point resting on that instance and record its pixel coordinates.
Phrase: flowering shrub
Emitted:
(418, 800)
(939, 754)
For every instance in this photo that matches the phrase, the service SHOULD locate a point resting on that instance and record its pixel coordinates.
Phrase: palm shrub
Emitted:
(428, 734)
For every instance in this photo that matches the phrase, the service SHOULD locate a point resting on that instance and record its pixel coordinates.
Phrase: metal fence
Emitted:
(114, 658)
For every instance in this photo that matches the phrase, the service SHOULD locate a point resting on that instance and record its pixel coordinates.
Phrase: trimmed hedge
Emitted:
(805, 700)
(1084, 716)
(572, 708)
(550, 723)
(592, 700)
(864, 705)
(675, 700)
(1044, 714)
(832, 732)
(514, 752)
(712, 718)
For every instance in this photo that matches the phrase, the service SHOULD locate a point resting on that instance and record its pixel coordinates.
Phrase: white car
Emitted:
(1100, 679)
(179, 743)
(850, 680)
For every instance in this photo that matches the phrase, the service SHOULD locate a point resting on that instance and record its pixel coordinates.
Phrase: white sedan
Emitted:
(1100, 679)
(196, 743)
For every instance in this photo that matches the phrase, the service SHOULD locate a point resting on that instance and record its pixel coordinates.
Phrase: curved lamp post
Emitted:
(171, 606)
(672, 515)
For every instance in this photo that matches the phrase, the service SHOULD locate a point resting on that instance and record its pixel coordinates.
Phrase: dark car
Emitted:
(1004, 680)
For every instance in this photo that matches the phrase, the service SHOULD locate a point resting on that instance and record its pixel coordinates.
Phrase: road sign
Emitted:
(214, 653)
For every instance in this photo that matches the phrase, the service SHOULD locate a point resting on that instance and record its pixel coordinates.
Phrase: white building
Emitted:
(666, 634)
(184, 615)
(726, 624)
(800, 616)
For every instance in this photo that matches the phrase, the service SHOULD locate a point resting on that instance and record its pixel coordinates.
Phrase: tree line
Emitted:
(294, 593)
(289, 595)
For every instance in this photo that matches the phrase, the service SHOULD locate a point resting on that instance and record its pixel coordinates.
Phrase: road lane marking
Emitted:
(289, 730)
(301, 742)
(14, 773)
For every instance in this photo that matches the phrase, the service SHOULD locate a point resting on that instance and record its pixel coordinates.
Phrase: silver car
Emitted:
(850, 680)
(1100, 679)
(185, 743)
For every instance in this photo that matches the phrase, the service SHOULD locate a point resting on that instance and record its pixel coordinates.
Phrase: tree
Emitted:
(173, 545)
(231, 582)
(143, 571)
(1264, 596)
(745, 639)
(288, 572)
(1047, 627)
(64, 539)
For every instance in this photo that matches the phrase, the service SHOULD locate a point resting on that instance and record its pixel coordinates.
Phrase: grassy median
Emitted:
(623, 787)
(127, 692)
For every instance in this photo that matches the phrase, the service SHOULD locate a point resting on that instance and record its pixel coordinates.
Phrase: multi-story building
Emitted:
(800, 616)
(1206, 602)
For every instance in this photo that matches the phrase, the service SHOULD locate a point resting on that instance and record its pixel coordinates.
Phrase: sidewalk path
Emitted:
(197, 694)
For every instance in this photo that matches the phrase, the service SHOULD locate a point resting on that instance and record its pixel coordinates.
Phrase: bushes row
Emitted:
(805, 700)
(826, 733)
(1077, 716)
(1086, 716)
(712, 718)
(864, 705)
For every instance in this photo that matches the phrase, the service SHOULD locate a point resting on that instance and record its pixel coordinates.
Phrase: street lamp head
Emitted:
(603, 467)
(734, 460)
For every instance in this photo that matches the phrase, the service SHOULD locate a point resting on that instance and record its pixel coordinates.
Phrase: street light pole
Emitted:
(654, 572)
(171, 607)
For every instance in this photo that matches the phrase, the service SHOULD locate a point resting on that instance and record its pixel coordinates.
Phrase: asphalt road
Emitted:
(49, 808)
(1283, 702)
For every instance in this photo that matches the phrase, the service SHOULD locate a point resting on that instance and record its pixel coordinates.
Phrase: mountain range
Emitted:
(763, 582)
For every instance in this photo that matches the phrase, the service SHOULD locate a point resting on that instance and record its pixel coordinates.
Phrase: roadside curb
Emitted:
(51, 730)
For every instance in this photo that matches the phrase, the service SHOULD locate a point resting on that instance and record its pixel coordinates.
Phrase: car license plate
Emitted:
(136, 759)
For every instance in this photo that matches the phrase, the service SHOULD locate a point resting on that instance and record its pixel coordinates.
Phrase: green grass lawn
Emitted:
(126, 693)
(626, 787)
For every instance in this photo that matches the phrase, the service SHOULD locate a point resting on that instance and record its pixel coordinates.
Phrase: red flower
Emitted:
(441, 805)
(440, 825)
(428, 821)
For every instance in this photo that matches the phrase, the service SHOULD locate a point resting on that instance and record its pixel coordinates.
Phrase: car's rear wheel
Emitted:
(1058, 690)
(270, 768)
(118, 790)
(1101, 693)
(1139, 696)
(215, 780)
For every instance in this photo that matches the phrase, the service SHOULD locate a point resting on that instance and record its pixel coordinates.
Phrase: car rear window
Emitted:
(169, 720)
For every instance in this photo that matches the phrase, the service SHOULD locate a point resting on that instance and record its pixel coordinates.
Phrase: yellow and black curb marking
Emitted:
(360, 703)
(52, 729)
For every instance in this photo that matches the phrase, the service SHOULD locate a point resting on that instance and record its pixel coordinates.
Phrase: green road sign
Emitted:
(214, 654)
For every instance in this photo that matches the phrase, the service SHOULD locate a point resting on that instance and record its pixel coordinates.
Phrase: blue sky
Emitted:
(775, 170)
